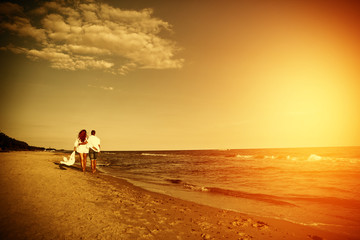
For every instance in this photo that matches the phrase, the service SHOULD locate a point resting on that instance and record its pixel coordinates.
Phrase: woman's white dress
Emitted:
(81, 148)
(69, 161)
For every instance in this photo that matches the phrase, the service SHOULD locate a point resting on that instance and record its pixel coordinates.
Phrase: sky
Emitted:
(173, 75)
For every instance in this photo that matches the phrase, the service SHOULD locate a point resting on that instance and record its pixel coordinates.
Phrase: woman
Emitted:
(82, 148)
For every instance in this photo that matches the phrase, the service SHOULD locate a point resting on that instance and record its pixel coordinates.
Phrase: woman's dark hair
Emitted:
(82, 135)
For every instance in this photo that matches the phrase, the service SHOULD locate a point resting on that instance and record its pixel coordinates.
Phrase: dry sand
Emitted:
(40, 200)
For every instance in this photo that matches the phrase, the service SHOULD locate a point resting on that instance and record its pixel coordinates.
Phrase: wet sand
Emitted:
(41, 200)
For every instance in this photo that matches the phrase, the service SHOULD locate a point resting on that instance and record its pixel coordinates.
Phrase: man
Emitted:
(94, 149)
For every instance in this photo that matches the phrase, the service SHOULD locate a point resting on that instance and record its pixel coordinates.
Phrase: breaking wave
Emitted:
(233, 193)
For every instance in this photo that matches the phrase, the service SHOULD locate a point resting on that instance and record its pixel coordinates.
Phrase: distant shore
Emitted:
(41, 200)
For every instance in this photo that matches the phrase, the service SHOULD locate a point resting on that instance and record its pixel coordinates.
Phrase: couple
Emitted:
(84, 145)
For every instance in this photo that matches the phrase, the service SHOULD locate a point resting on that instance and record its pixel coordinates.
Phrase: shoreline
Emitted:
(41, 200)
(337, 229)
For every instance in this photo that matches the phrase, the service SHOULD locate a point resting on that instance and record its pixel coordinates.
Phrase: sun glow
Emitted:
(303, 79)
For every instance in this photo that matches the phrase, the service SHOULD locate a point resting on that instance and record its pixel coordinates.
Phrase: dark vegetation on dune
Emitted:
(10, 144)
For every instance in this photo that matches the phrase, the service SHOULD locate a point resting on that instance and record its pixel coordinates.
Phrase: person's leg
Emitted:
(93, 165)
(81, 161)
(85, 156)
(91, 156)
(83, 164)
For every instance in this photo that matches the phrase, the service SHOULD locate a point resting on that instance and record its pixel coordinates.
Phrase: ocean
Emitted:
(311, 186)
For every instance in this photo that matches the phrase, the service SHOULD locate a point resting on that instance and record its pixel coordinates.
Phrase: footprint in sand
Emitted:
(249, 222)
(205, 236)
(315, 237)
(205, 225)
(260, 225)
(244, 236)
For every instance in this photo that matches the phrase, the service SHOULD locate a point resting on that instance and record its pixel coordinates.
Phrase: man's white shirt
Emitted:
(94, 141)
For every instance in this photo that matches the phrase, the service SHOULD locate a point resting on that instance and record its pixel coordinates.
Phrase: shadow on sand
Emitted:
(65, 167)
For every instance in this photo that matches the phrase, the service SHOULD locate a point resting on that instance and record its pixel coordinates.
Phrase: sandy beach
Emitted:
(41, 200)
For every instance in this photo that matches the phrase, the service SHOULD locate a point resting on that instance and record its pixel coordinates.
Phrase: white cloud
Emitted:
(23, 28)
(107, 88)
(14, 49)
(61, 60)
(91, 35)
(102, 87)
